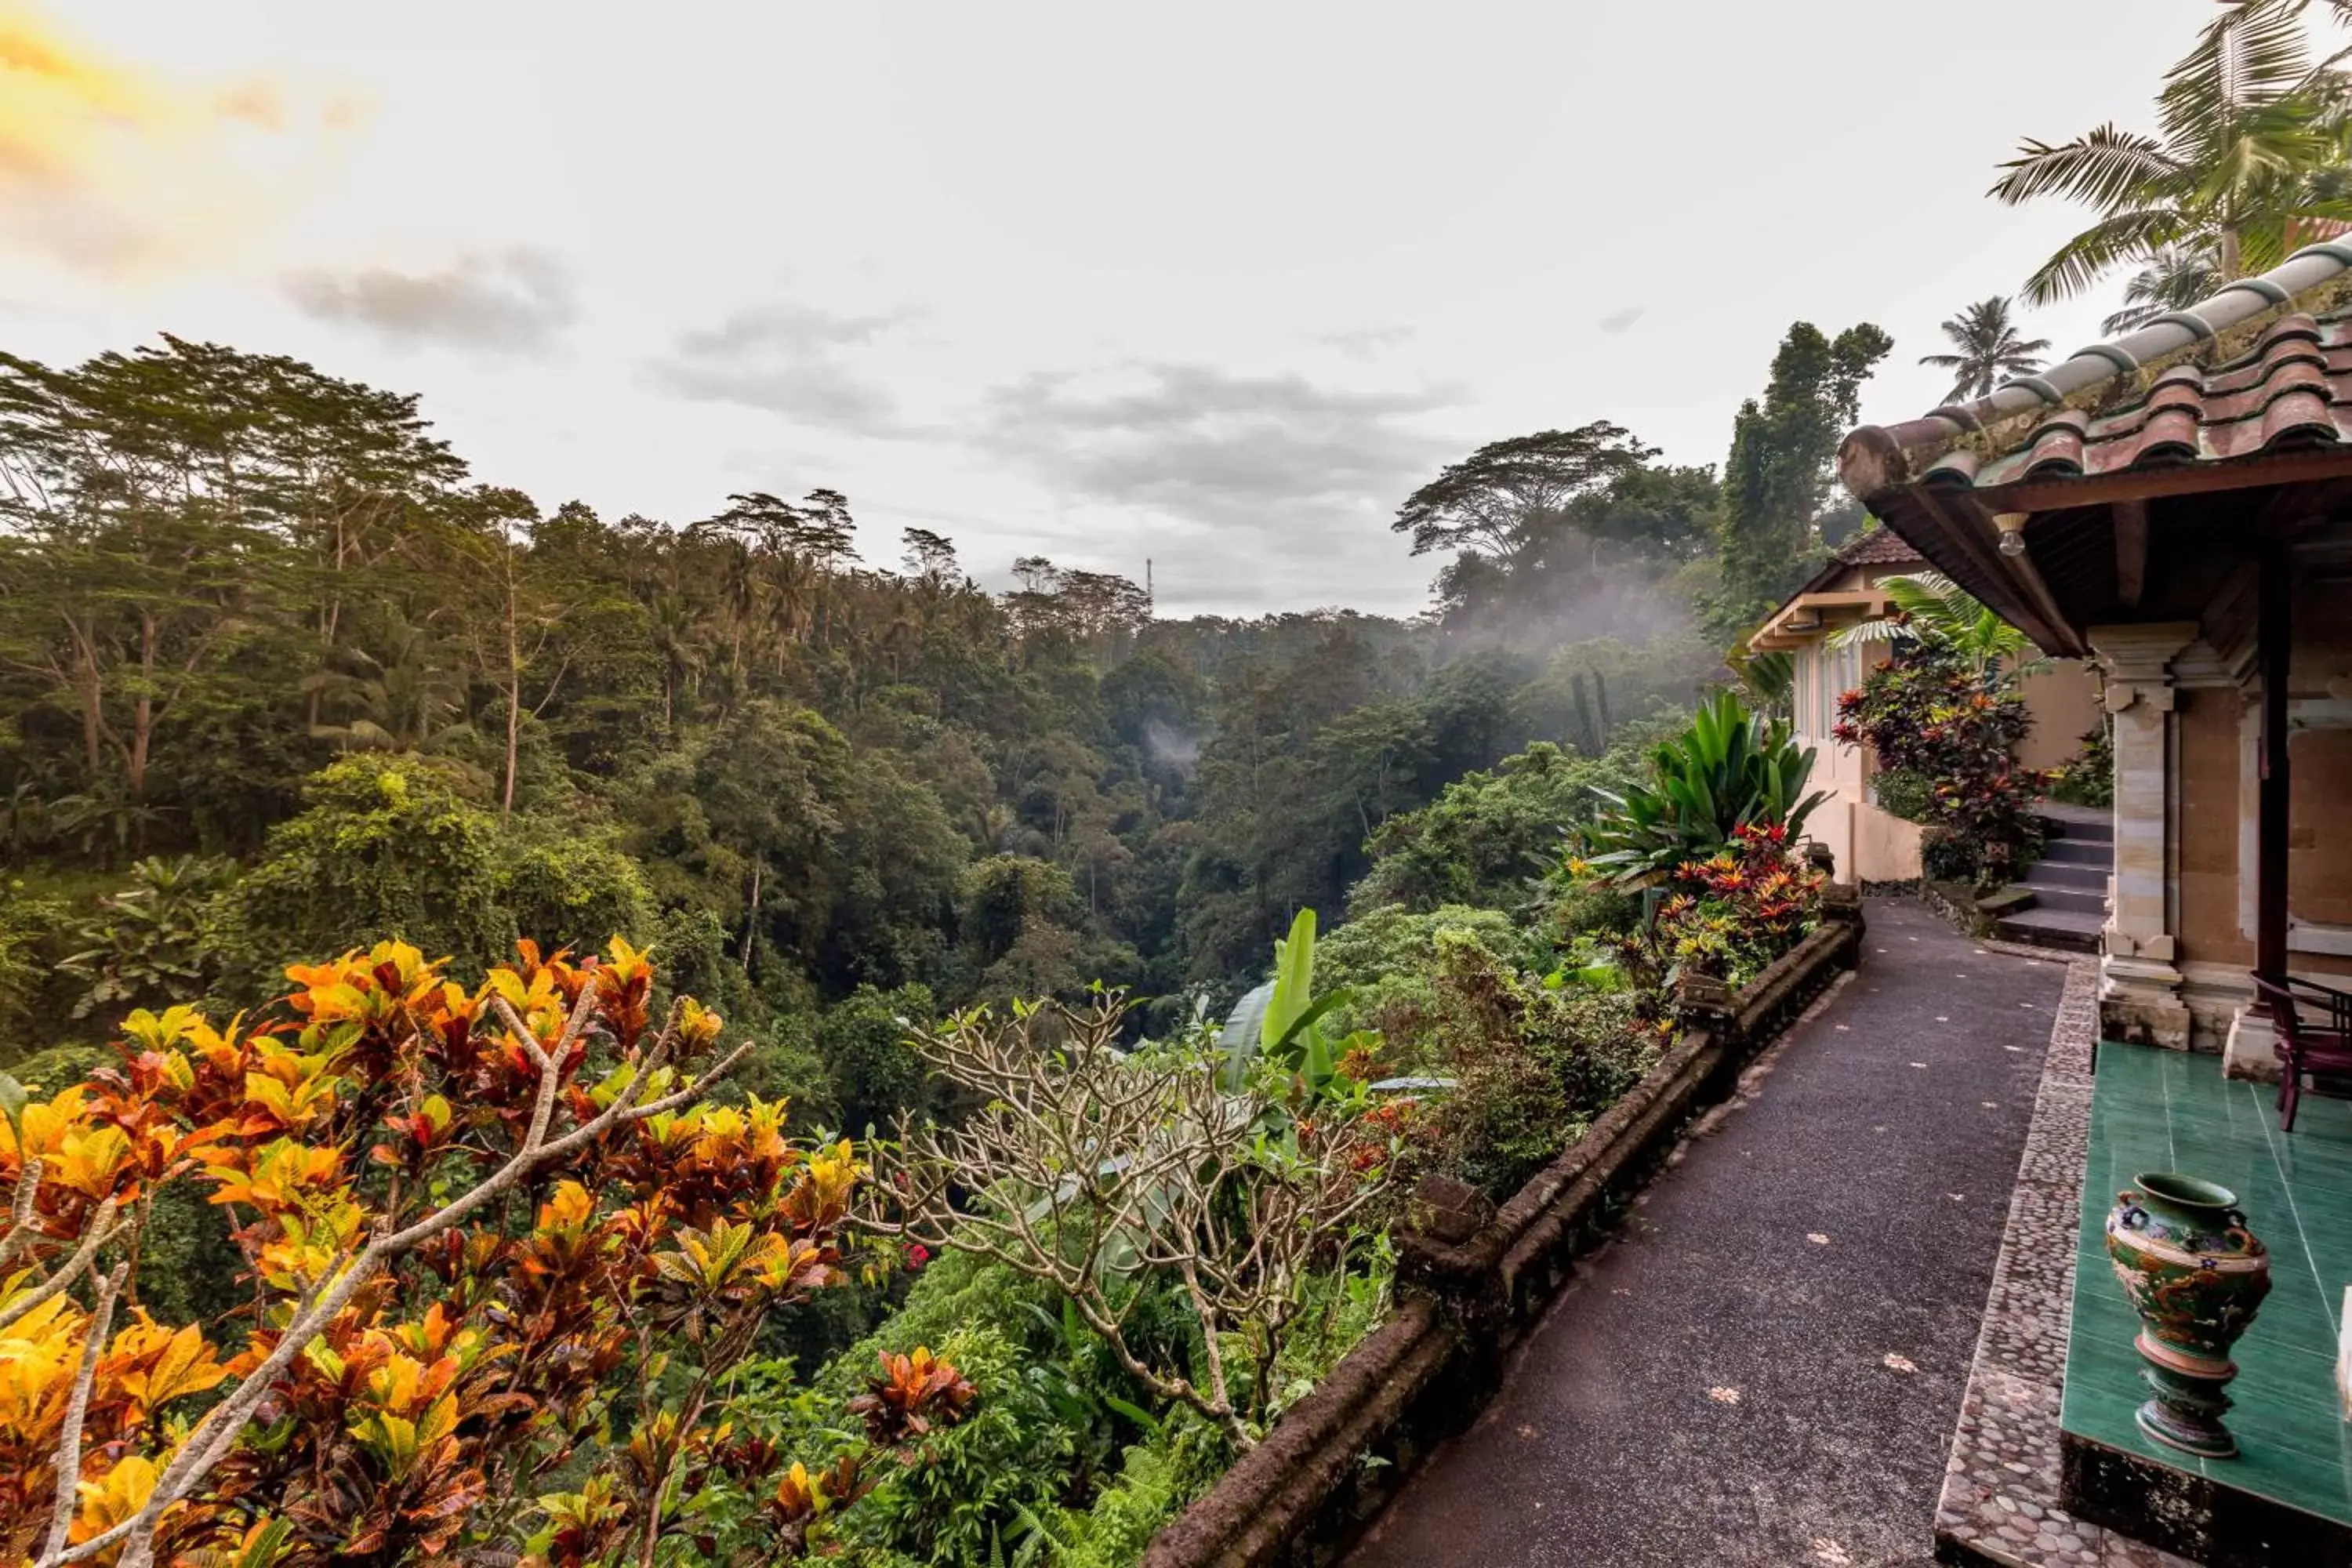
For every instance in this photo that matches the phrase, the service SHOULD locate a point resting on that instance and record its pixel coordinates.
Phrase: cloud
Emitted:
(509, 301)
(1278, 478)
(1364, 343)
(111, 167)
(788, 358)
(1618, 320)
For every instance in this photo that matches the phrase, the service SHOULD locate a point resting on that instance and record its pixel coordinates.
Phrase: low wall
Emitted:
(1886, 847)
(1340, 1453)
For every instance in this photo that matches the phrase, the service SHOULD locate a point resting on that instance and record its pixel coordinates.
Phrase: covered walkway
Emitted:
(1766, 1365)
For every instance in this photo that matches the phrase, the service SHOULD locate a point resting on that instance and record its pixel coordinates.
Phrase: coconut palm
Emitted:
(2174, 278)
(2252, 154)
(1931, 608)
(1991, 352)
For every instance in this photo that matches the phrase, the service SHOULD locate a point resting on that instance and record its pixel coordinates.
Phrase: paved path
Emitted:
(1765, 1366)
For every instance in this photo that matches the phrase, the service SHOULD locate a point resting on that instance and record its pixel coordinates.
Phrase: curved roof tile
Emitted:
(2265, 363)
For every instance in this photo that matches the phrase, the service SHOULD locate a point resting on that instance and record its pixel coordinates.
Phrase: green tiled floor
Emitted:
(2167, 1111)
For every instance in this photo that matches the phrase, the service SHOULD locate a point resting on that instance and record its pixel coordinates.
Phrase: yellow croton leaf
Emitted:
(88, 1159)
(39, 1354)
(567, 1208)
(185, 1366)
(45, 1123)
(123, 1492)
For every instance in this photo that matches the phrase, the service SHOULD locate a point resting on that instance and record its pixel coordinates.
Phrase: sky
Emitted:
(1212, 285)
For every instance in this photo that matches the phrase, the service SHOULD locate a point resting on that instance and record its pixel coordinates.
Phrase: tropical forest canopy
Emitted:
(280, 673)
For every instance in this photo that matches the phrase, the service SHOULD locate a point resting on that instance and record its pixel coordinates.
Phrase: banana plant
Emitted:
(1281, 1020)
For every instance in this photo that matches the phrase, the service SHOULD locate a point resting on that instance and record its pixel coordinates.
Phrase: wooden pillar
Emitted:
(2275, 623)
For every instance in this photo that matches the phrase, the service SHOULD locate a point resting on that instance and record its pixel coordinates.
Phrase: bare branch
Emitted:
(68, 1459)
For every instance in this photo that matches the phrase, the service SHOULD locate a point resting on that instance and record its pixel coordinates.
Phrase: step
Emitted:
(2079, 852)
(2077, 899)
(2091, 823)
(2068, 874)
(2068, 930)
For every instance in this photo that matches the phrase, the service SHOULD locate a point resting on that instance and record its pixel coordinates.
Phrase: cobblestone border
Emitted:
(2001, 1485)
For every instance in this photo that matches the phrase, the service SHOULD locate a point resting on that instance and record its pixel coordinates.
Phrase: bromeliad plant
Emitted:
(488, 1233)
(1730, 770)
(1730, 914)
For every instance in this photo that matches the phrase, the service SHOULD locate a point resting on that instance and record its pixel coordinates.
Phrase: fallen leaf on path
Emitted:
(1817, 1238)
(1919, 1064)
(1525, 1431)
(1831, 1552)
(1724, 1396)
(1900, 1363)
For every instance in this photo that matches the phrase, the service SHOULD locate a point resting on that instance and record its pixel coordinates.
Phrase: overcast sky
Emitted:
(1212, 284)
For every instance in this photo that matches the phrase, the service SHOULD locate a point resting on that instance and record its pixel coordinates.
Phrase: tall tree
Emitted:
(1503, 497)
(1989, 350)
(2252, 136)
(1777, 476)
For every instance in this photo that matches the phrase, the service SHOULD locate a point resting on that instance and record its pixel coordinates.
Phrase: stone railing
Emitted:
(1474, 1278)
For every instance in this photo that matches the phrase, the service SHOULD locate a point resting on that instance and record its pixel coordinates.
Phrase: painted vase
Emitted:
(2196, 1276)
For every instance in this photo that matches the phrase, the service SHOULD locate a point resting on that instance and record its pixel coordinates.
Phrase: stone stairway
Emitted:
(2062, 902)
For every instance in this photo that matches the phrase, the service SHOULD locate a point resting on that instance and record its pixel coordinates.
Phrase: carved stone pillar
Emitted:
(2140, 983)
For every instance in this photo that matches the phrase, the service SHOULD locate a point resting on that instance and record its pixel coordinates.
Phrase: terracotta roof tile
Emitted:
(2262, 367)
(2294, 388)
(1878, 547)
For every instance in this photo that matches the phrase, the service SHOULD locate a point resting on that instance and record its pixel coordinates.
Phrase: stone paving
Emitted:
(1762, 1369)
(1999, 1503)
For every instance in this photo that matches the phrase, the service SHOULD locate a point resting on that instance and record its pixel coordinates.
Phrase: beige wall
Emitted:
(1885, 847)
(2064, 698)
(2209, 841)
(2218, 733)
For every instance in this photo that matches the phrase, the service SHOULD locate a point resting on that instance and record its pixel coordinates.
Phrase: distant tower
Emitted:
(1147, 580)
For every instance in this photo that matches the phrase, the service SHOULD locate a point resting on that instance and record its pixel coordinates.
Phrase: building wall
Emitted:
(2064, 698)
(2208, 829)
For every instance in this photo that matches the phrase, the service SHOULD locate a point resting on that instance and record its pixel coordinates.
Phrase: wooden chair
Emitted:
(2305, 1043)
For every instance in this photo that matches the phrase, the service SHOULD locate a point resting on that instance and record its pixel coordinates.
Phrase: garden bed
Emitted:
(1342, 1451)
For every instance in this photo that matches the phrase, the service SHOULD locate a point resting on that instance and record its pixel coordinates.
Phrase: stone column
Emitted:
(2140, 984)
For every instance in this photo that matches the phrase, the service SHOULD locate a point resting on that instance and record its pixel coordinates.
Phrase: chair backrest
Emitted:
(2287, 996)
(2281, 1002)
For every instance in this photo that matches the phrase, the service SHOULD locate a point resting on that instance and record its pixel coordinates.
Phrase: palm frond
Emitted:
(2112, 242)
(2109, 168)
(2250, 55)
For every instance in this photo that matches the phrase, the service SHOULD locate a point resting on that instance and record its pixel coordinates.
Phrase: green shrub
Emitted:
(1534, 1063)
(2088, 777)
(31, 937)
(1388, 962)
(1909, 795)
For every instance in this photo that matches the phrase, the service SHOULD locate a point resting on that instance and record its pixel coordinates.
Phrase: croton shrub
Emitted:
(1925, 713)
(499, 1258)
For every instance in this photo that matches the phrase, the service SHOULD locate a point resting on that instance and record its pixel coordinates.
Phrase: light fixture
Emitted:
(2012, 532)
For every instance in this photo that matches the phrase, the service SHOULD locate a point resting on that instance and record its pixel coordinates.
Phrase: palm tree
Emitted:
(2252, 153)
(1990, 350)
(2174, 278)
(1931, 608)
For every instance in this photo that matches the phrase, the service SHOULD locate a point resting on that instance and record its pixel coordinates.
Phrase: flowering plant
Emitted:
(1730, 914)
(1924, 712)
